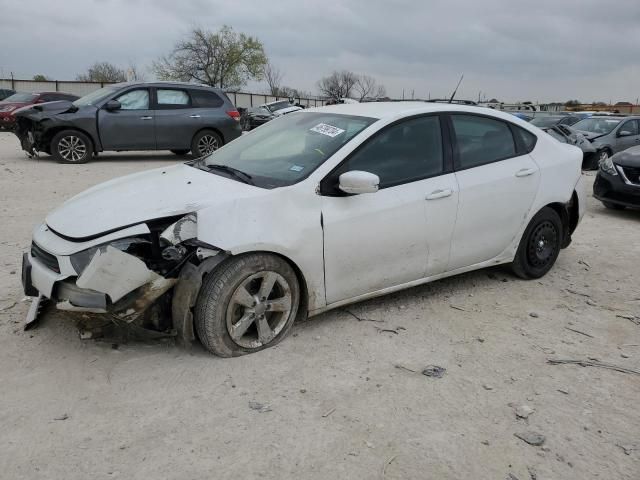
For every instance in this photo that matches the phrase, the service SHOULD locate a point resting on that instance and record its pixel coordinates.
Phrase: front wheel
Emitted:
(71, 146)
(205, 143)
(539, 246)
(246, 304)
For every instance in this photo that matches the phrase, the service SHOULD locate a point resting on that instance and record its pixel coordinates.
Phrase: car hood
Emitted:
(149, 195)
(590, 135)
(49, 108)
(284, 111)
(628, 158)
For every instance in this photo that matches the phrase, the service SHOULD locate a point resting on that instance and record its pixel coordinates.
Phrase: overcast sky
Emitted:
(538, 50)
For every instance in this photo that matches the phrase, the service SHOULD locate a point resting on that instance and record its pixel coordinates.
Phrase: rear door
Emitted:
(498, 182)
(132, 126)
(400, 233)
(177, 119)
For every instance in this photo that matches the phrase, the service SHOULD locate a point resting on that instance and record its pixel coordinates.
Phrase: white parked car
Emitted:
(281, 107)
(312, 211)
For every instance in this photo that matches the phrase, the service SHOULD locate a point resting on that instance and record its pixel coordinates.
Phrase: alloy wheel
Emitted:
(207, 144)
(72, 148)
(259, 309)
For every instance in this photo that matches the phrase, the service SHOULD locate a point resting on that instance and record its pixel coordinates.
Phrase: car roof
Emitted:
(161, 83)
(381, 110)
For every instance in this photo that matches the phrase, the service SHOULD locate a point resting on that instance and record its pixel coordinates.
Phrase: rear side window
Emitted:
(172, 98)
(631, 127)
(481, 140)
(206, 99)
(526, 139)
(403, 153)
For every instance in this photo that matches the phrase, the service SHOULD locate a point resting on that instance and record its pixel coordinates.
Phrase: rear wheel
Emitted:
(539, 246)
(205, 143)
(613, 206)
(182, 151)
(71, 146)
(246, 304)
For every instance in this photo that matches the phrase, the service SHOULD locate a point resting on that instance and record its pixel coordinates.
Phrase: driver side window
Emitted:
(134, 100)
(403, 153)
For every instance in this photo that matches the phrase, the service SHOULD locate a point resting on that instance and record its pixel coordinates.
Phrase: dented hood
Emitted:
(154, 194)
(50, 108)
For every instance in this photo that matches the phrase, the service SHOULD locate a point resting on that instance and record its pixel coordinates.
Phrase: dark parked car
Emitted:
(179, 117)
(617, 184)
(254, 117)
(609, 134)
(546, 121)
(6, 92)
(9, 105)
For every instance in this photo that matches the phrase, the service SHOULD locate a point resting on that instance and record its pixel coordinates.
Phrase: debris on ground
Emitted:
(561, 390)
(387, 330)
(455, 307)
(631, 318)
(402, 367)
(260, 407)
(524, 411)
(6, 305)
(576, 292)
(487, 386)
(361, 319)
(532, 473)
(434, 371)
(533, 314)
(387, 463)
(594, 363)
(580, 332)
(627, 449)
(328, 412)
(532, 438)
(64, 416)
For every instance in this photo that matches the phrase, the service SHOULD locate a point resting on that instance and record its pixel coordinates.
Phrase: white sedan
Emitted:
(314, 210)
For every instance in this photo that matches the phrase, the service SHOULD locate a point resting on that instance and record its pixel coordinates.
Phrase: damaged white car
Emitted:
(311, 211)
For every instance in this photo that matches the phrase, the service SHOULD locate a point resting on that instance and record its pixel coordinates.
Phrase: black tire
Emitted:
(613, 206)
(215, 312)
(71, 146)
(539, 246)
(205, 142)
(182, 151)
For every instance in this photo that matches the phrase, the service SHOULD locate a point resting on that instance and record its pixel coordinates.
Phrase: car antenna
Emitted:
(456, 90)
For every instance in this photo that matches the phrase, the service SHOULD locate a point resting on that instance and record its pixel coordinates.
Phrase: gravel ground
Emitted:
(330, 401)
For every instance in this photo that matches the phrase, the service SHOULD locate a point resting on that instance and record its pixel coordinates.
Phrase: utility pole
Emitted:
(13, 84)
(403, 94)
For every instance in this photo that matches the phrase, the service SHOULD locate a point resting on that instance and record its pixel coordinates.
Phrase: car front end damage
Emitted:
(129, 276)
(34, 125)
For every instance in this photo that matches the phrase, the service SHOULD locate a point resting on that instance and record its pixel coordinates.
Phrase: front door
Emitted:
(132, 126)
(402, 232)
(497, 188)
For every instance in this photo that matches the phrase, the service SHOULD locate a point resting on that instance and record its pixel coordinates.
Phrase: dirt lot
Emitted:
(329, 402)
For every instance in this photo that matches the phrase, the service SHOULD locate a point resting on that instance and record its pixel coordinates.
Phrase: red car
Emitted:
(23, 99)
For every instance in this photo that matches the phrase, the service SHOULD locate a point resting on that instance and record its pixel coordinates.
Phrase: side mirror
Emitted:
(356, 182)
(112, 105)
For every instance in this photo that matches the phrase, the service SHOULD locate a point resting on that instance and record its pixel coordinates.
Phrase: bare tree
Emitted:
(103, 72)
(134, 74)
(273, 77)
(367, 86)
(338, 84)
(224, 59)
(40, 78)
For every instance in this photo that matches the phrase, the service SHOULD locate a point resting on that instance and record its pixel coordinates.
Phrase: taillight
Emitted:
(234, 114)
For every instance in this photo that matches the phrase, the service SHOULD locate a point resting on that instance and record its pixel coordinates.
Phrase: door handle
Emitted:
(525, 172)
(439, 194)
(146, 118)
(194, 116)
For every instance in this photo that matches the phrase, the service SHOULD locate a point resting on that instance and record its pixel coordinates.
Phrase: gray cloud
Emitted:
(513, 50)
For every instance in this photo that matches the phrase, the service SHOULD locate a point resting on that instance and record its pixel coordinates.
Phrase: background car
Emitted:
(6, 92)
(281, 107)
(22, 99)
(551, 120)
(179, 117)
(617, 183)
(253, 117)
(566, 134)
(609, 134)
(310, 212)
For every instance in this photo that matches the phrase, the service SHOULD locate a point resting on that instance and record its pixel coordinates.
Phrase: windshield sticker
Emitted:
(296, 168)
(328, 130)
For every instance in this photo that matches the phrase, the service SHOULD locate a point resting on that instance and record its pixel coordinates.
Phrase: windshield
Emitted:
(287, 149)
(279, 105)
(545, 121)
(94, 97)
(21, 97)
(597, 125)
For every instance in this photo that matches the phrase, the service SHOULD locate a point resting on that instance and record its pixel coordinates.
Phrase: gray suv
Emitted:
(179, 117)
(609, 135)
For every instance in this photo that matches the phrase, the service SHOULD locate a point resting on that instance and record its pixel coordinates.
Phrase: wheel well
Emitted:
(211, 129)
(47, 136)
(569, 215)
